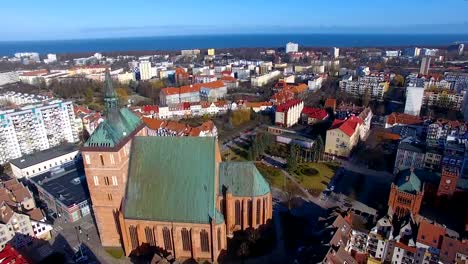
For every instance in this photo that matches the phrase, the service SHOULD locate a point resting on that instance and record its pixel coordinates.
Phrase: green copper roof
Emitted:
(409, 182)
(171, 179)
(415, 179)
(108, 87)
(117, 125)
(242, 179)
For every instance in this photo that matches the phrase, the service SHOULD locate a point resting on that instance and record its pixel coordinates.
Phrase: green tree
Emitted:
(318, 148)
(89, 95)
(291, 162)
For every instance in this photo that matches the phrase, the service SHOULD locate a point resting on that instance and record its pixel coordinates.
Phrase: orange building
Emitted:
(405, 195)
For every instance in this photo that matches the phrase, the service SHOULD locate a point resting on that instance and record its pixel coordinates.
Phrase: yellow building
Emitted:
(211, 52)
(342, 136)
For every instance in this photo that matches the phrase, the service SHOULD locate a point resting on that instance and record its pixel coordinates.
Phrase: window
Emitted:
(109, 196)
(96, 180)
(133, 236)
(112, 158)
(87, 159)
(102, 159)
(204, 242)
(106, 180)
(249, 212)
(114, 180)
(150, 236)
(219, 238)
(45, 167)
(221, 206)
(258, 211)
(237, 213)
(186, 245)
(167, 238)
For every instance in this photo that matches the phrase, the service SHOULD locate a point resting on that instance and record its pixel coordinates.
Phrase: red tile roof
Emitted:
(150, 109)
(287, 105)
(348, 126)
(35, 73)
(400, 118)
(430, 234)
(405, 247)
(228, 78)
(314, 112)
(258, 104)
(192, 88)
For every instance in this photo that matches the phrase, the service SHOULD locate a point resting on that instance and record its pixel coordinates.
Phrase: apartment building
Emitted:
(343, 136)
(410, 154)
(374, 86)
(439, 130)
(265, 78)
(292, 47)
(289, 113)
(444, 99)
(36, 127)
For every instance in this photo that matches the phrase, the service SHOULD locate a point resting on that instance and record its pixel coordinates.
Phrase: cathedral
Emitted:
(171, 193)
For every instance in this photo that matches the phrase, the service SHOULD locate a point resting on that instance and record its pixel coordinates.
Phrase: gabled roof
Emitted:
(400, 118)
(314, 112)
(287, 105)
(118, 125)
(171, 179)
(348, 126)
(242, 179)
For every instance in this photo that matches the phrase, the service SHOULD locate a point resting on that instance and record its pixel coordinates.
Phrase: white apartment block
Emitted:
(145, 70)
(264, 79)
(292, 47)
(374, 86)
(289, 113)
(36, 127)
(414, 100)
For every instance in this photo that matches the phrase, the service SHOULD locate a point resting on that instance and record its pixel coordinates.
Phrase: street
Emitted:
(67, 237)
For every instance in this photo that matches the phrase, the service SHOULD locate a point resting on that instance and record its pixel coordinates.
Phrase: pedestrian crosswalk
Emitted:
(56, 230)
(87, 225)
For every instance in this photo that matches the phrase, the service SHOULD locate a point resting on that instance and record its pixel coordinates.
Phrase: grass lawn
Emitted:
(273, 175)
(314, 176)
(116, 253)
(234, 154)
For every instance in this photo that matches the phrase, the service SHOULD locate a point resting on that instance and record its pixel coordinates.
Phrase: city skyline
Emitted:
(49, 21)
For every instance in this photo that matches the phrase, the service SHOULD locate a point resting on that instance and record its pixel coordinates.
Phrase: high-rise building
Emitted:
(425, 65)
(36, 127)
(292, 47)
(145, 70)
(336, 52)
(414, 100)
(211, 52)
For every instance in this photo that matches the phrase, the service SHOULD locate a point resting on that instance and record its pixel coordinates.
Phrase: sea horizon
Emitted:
(226, 41)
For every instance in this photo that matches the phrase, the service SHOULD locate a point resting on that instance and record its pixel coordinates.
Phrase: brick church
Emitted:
(173, 193)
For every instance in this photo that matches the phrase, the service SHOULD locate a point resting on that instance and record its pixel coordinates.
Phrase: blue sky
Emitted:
(53, 19)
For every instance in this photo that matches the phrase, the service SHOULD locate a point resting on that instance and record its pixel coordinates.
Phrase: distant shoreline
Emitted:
(232, 41)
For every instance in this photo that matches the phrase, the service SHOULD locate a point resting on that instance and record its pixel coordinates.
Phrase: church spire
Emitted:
(110, 96)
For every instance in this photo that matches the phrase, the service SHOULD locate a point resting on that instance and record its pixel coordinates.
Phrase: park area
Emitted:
(314, 177)
(272, 175)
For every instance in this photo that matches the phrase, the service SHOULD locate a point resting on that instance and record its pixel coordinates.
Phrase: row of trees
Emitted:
(298, 155)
